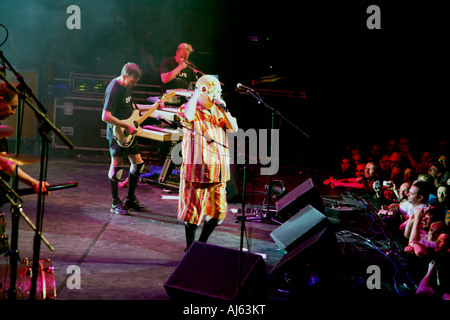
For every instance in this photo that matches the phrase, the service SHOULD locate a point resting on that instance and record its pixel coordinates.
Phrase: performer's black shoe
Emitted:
(119, 208)
(133, 204)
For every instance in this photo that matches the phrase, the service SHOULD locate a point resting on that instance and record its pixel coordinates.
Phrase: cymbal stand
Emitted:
(16, 213)
(44, 130)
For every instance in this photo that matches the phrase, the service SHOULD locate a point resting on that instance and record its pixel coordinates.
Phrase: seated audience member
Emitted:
(420, 243)
(417, 196)
(392, 146)
(429, 214)
(374, 153)
(446, 179)
(442, 159)
(363, 184)
(444, 200)
(442, 195)
(385, 167)
(436, 281)
(396, 176)
(436, 171)
(390, 192)
(424, 164)
(359, 171)
(432, 198)
(345, 171)
(408, 175)
(402, 196)
(403, 192)
(356, 158)
(396, 160)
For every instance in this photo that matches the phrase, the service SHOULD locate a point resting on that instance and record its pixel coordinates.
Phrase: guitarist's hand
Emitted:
(131, 129)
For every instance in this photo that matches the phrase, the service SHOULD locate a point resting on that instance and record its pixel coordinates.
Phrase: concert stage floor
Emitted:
(120, 257)
(129, 257)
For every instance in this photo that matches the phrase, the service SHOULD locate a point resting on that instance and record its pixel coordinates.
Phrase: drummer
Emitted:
(8, 106)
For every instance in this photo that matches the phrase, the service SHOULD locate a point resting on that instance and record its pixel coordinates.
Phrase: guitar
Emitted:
(122, 136)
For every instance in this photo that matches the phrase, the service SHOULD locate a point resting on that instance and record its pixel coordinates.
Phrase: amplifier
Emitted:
(89, 85)
(80, 120)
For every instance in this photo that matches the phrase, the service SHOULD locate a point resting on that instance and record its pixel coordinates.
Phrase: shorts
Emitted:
(117, 151)
(200, 199)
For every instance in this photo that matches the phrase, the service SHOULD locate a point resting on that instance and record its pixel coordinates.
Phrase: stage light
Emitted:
(277, 189)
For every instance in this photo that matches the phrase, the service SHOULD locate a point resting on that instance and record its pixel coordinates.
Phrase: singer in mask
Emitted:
(206, 159)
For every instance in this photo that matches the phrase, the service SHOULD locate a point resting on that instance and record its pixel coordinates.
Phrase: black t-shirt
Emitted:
(182, 80)
(119, 102)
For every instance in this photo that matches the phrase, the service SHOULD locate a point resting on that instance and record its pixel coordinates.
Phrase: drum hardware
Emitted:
(16, 213)
(46, 284)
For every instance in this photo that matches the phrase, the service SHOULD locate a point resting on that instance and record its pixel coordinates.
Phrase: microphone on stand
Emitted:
(240, 85)
(220, 103)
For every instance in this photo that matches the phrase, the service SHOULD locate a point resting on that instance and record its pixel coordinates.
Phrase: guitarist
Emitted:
(119, 106)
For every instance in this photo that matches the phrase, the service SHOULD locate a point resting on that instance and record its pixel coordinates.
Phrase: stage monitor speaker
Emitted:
(209, 272)
(314, 263)
(306, 193)
(306, 222)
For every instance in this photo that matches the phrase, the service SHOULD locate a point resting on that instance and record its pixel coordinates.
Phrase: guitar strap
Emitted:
(133, 103)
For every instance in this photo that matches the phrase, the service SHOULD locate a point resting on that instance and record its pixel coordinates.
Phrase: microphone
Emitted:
(220, 103)
(240, 85)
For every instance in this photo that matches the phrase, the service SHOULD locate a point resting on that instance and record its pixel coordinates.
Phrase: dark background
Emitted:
(362, 86)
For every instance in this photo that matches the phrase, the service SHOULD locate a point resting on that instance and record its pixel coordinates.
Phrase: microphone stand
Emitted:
(255, 95)
(193, 67)
(44, 129)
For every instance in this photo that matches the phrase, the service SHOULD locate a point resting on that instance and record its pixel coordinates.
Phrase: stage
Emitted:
(132, 257)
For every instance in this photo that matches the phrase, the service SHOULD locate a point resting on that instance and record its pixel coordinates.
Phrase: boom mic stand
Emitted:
(274, 112)
(45, 127)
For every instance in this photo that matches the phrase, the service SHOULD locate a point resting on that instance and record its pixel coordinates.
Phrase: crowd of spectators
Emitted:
(411, 191)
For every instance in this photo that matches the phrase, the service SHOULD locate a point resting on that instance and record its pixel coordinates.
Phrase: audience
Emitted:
(436, 281)
(417, 193)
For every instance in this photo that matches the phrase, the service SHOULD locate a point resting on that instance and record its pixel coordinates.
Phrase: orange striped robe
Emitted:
(205, 168)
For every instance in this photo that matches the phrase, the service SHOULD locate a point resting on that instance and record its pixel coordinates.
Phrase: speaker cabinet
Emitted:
(209, 272)
(80, 120)
(305, 223)
(306, 193)
(314, 263)
(311, 251)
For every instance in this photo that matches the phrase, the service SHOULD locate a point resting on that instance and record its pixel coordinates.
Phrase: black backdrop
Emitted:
(361, 85)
